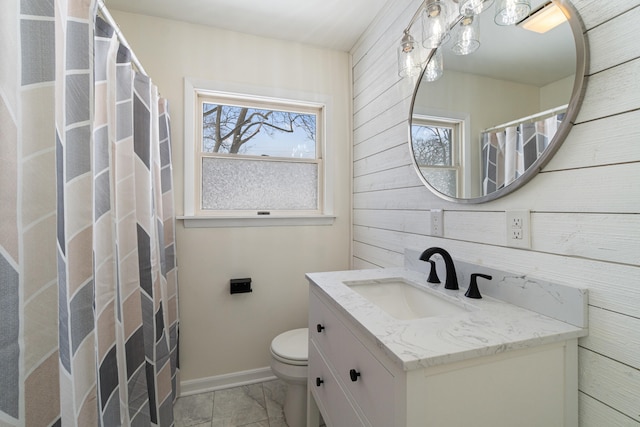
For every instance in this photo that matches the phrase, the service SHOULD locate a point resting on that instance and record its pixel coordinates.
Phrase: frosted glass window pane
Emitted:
(443, 180)
(241, 184)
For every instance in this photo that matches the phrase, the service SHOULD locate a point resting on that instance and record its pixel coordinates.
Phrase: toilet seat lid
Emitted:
(292, 345)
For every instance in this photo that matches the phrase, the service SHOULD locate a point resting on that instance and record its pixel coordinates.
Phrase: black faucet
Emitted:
(472, 291)
(451, 281)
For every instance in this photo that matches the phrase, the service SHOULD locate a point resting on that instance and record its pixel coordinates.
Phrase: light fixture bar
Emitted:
(414, 18)
(544, 19)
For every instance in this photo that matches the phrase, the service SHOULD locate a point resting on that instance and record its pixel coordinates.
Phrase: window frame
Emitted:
(459, 143)
(261, 97)
(266, 104)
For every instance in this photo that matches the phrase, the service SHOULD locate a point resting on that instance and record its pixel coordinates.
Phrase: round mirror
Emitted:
(486, 122)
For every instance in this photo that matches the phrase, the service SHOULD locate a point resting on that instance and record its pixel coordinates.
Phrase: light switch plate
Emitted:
(436, 223)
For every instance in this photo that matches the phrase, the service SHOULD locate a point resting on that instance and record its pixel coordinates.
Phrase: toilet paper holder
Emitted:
(240, 286)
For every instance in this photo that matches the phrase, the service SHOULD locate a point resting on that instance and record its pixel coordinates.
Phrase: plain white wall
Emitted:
(556, 93)
(222, 334)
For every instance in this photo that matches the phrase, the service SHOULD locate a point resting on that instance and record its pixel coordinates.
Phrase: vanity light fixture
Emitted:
(435, 30)
(467, 36)
(474, 7)
(435, 23)
(545, 18)
(409, 61)
(435, 67)
(509, 12)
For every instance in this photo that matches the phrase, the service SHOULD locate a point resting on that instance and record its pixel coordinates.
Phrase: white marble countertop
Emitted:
(487, 327)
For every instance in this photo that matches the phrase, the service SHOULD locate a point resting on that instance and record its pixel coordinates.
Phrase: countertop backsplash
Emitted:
(561, 302)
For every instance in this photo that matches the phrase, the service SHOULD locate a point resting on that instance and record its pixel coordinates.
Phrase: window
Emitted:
(437, 148)
(253, 156)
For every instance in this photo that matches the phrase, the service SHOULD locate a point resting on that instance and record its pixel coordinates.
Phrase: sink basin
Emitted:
(402, 300)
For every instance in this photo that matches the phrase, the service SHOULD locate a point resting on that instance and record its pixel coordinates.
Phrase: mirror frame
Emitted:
(577, 95)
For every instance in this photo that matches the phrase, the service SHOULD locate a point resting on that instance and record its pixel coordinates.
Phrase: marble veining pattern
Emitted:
(256, 405)
(487, 326)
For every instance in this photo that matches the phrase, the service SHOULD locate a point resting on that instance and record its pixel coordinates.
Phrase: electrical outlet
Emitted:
(436, 222)
(516, 233)
(518, 229)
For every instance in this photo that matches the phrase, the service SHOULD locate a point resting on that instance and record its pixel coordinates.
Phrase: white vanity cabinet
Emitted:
(336, 351)
(534, 386)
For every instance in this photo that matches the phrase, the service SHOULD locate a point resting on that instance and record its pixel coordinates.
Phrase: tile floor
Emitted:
(256, 405)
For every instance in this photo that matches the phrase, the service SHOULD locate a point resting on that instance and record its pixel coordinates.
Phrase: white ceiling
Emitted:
(335, 24)
(338, 24)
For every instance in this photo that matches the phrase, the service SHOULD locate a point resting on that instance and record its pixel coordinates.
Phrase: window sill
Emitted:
(255, 221)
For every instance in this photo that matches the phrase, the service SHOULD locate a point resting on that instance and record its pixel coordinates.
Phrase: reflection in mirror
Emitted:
(493, 118)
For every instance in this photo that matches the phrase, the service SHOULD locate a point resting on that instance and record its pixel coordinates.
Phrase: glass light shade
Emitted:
(435, 24)
(509, 12)
(408, 57)
(434, 68)
(467, 36)
(474, 7)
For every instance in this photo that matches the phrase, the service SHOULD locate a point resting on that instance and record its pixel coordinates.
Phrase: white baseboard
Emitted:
(221, 382)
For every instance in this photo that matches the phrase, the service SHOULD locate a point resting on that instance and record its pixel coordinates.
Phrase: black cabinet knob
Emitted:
(319, 327)
(319, 382)
(354, 375)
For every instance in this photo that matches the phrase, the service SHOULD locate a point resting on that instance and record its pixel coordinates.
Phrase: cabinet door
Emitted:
(372, 387)
(330, 398)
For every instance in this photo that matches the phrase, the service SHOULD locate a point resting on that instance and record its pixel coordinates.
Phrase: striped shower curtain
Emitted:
(88, 286)
(507, 153)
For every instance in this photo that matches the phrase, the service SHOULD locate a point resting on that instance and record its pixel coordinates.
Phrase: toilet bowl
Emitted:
(289, 359)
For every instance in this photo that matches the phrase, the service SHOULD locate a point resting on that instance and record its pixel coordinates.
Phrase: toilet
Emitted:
(289, 359)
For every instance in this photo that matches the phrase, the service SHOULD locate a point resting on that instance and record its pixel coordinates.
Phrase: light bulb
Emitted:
(435, 24)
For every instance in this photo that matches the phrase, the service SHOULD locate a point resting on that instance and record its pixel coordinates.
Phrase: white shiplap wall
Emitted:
(585, 205)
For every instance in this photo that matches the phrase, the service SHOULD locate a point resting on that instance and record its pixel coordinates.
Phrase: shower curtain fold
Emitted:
(509, 152)
(88, 278)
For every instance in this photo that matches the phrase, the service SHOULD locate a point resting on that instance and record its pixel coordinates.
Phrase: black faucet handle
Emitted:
(433, 274)
(473, 291)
